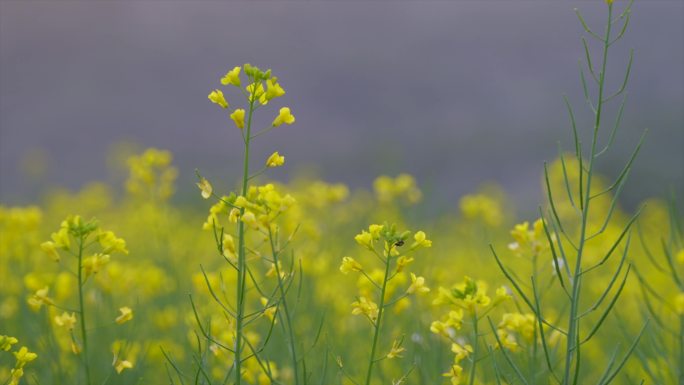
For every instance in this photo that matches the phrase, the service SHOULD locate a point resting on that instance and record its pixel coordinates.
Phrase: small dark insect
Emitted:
(399, 243)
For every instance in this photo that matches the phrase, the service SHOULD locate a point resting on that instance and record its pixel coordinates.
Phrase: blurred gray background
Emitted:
(457, 93)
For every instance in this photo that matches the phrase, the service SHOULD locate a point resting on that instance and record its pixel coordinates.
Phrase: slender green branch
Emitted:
(377, 323)
(572, 351)
(283, 300)
(81, 307)
(505, 354)
(471, 376)
(241, 278)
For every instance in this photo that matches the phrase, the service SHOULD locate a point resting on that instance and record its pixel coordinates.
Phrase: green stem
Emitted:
(377, 322)
(681, 350)
(241, 278)
(471, 376)
(572, 346)
(293, 352)
(81, 310)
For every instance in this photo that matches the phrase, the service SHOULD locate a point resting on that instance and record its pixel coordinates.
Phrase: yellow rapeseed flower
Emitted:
(24, 356)
(366, 307)
(126, 315)
(455, 318)
(402, 262)
(50, 248)
(417, 285)
(111, 243)
(273, 89)
(269, 311)
(439, 327)
(238, 117)
(216, 96)
(229, 249)
(6, 342)
(461, 351)
(15, 376)
(375, 230)
(508, 340)
(256, 91)
(284, 116)
(121, 365)
(234, 215)
(61, 238)
(95, 263)
(250, 219)
(66, 320)
(205, 187)
(275, 160)
(502, 294)
(232, 77)
(396, 350)
(40, 298)
(364, 239)
(529, 240)
(454, 374)
(349, 264)
(421, 240)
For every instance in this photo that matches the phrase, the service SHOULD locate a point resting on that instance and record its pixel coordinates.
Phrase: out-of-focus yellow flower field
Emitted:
(139, 296)
(311, 282)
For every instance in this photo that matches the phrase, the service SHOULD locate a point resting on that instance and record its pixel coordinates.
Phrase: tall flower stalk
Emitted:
(394, 257)
(86, 234)
(254, 208)
(568, 248)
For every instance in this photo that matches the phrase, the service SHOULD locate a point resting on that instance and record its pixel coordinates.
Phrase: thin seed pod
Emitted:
(612, 376)
(517, 370)
(608, 309)
(618, 120)
(538, 313)
(626, 79)
(556, 264)
(603, 296)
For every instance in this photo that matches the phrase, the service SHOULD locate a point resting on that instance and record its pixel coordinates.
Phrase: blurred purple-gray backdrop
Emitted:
(457, 93)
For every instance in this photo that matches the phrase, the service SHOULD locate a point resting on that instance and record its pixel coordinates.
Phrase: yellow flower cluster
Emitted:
(73, 227)
(262, 88)
(514, 326)
(151, 175)
(91, 246)
(461, 352)
(275, 160)
(529, 241)
(469, 295)
(22, 357)
(19, 228)
(401, 188)
(261, 206)
(121, 348)
(388, 245)
(367, 307)
(232, 314)
(482, 207)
